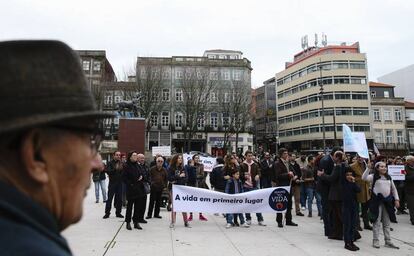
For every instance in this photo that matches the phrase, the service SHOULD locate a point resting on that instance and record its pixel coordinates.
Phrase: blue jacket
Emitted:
(26, 228)
(231, 186)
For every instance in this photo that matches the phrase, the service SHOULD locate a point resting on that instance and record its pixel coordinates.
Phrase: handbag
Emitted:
(147, 188)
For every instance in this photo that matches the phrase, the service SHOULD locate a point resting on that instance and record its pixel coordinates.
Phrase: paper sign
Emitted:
(397, 172)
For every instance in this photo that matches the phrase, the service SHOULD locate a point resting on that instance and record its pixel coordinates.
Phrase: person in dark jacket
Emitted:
(409, 186)
(217, 180)
(159, 181)
(326, 165)
(297, 183)
(133, 178)
(266, 167)
(178, 176)
(234, 186)
(350, 189)
(114, 171)
(335, 194)
(282, 176)
(146, 182)
(48, 145)
(98, 178)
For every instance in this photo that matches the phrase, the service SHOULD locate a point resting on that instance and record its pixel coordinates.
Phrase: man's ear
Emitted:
(32, 159)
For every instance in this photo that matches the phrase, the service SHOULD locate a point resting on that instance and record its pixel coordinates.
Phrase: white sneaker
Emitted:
(228, 225)
(262, 224)
(248, 222)
(375, 244)
(303, 208)
(171, 225)
(245, 225)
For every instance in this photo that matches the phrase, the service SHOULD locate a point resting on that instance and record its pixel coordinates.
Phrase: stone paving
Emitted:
(96, 236)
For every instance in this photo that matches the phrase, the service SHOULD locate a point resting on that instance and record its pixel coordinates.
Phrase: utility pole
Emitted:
(323, 107)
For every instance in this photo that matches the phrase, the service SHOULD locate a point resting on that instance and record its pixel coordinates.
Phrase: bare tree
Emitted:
(197, 88)
(147, 92)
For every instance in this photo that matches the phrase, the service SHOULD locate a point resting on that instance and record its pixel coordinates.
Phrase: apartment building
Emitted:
(388, 119)
(336, 73)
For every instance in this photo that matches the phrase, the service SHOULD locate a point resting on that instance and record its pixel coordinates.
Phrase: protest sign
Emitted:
(355, 142)
(161, 150)
(190, 199)
(208, 162)
(397, 172)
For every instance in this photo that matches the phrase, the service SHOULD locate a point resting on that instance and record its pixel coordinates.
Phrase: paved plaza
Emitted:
(96, 236)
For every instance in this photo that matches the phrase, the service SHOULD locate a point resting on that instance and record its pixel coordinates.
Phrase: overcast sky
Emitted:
(267, 32)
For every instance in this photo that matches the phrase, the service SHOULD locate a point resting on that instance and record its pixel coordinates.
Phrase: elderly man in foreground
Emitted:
(48, 145)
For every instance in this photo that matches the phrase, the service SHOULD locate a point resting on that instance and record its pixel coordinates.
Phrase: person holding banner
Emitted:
(200, 179)
(234, 186)
(282, 176)
(250, 176)
(177, 175)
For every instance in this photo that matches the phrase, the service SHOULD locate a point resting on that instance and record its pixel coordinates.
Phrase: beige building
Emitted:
(341, 70)
(388, 120)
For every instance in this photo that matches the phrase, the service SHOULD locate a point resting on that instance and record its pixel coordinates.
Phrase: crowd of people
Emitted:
(351, 193)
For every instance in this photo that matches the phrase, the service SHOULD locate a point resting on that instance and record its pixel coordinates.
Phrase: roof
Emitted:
(223, 51)
(375, 84)
(409, 104)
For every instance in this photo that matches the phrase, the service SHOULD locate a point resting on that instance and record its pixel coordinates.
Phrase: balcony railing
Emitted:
(396, 146)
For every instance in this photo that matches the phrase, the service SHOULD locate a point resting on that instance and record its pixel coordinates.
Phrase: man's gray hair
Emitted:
(409, 158)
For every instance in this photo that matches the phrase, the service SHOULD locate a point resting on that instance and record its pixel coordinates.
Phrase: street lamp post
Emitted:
(323, 108)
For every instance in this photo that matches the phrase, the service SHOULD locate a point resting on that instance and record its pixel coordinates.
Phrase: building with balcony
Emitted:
(341, 70)
(388, 120)
(96, 67)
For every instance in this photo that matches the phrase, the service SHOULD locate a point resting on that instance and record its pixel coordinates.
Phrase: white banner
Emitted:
(397, 172)
(161, 150)
(208, 162)
(190, 199)
(355, 142)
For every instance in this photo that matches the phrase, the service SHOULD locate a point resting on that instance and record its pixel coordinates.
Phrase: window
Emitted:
(214, 120)
(200, 121)
(117, 99)
(388, 136)
(226, 120)
(85, 65)
(376, 114)
(178, 74)
(400, 137)
(360, 112)
(213, 97)
(154, 119)
(386, 94)
(226, 97)
(178, 120)
(373, 94)
(341, 80)
(357, 64)
(108, 100)
(343, 112)
(359, 96)
(165, 119)
(96, 66)
(226, 75)
(237, 75)
(179, 95)
(166, 75)
(340, 65)
(398, 115)
(213, 75)
(342, 96)
(165, 94)
(387, 115)
(378, 136)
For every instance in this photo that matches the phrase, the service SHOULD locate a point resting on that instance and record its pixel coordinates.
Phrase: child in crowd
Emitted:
(349, 208)
(383, 199)
(234, 186)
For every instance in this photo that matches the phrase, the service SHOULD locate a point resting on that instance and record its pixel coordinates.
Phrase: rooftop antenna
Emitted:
(324, 40)
(316, 40)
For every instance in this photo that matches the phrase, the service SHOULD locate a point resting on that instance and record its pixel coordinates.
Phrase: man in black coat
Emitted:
(114, 171)
(48, 145)
(266, 167)
(282, 176)
(326, 165)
